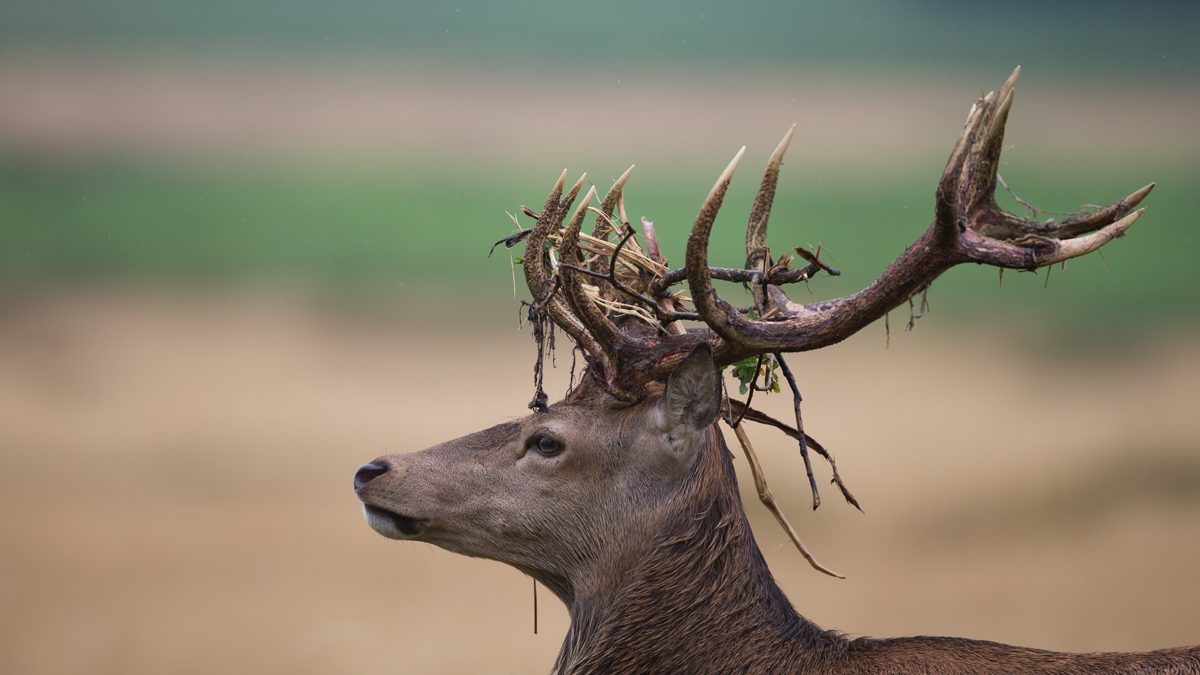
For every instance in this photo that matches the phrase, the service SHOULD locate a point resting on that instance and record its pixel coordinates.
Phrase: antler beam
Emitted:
(968, 226)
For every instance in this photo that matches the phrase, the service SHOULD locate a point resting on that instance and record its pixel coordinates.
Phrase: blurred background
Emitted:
(243, 250)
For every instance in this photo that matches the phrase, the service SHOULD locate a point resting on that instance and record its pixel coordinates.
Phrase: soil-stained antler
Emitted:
(968, 226)
(633, 335)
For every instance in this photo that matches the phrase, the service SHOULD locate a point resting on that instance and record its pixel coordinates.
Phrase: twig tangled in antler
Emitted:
(768, 500)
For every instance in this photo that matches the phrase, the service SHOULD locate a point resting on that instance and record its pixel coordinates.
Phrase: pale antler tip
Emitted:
(591, 194)
(1000, 116)
(1006, 90)
(777, 154)
(620, 181)
(1073, 248)
(1136, 198)
(577, 218)
(579, 183)
(1124, 224)
(562, 179)
(726, 176)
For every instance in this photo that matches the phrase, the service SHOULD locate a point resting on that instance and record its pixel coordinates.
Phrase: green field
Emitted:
(352, 229)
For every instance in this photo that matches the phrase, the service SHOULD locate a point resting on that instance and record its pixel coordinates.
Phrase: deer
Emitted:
(621, 498)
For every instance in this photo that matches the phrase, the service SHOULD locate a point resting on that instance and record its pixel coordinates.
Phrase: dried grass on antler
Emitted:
(599, 291)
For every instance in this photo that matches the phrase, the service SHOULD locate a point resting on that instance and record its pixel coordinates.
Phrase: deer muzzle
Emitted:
(384, 521)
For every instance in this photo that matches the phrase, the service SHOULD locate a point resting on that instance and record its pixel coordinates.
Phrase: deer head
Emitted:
(621, 497)
(566, 494)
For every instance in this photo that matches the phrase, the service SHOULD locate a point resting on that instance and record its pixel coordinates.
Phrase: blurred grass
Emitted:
(345, 230)
(1154, 40)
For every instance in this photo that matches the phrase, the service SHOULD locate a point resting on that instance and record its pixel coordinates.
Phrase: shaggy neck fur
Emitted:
(700, 598)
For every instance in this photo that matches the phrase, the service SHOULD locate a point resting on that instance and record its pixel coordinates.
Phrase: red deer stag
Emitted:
(621, 498)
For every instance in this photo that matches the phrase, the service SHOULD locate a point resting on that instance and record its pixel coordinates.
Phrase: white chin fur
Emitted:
(382, 524)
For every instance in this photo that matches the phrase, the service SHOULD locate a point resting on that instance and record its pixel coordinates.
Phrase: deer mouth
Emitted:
(393, 525)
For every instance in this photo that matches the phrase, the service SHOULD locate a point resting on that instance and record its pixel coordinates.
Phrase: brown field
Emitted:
(175, 481)
(395, 113)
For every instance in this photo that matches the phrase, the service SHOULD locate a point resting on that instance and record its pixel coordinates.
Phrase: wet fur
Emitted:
(702, 600)
(640, 531)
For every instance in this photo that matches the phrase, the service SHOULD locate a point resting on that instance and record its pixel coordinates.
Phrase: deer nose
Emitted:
(367, 473)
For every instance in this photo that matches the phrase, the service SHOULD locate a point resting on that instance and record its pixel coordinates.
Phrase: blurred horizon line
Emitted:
(371, 113)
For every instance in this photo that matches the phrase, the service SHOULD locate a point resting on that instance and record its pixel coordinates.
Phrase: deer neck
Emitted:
(700, 585)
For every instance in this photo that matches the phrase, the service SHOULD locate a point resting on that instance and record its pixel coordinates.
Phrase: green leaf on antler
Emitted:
(747, 372)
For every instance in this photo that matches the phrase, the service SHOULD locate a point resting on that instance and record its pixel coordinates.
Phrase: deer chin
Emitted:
(393, 525)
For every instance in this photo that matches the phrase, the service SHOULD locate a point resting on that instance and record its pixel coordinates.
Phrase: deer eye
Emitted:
(544, 445)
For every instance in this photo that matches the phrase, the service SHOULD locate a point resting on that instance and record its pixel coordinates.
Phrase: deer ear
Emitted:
(693, 398)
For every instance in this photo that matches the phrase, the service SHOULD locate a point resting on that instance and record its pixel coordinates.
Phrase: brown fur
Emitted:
(703, 601)
(639, 529)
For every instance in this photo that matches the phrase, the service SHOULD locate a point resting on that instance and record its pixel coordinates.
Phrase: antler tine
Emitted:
(1077, 246)
(741, 336)
(968, 227)
(573, 193)
(946, 207)
(713, 310)
(985, 147)
(1034, 251)
(976, 153)
(975, 208)
(596, 322)
(1083, 223)
(977, 184)
(760, 212)
(542, 288)
(603, 227)
(535, 271)
(609, 204)
(568, 249)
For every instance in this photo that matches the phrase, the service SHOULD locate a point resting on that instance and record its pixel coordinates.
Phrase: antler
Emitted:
(618, 305)
(625, 352)
(968, 227)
